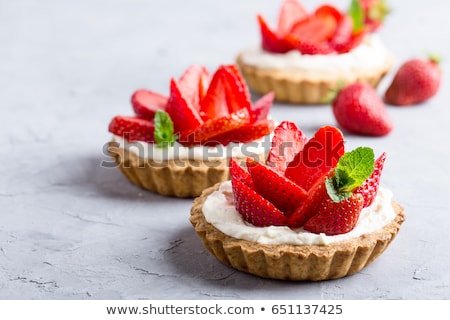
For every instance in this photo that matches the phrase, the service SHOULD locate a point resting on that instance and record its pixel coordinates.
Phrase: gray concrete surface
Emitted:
(70, 229)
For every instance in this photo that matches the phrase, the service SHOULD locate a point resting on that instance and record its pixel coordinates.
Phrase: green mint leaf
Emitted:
(343, 179)
(356, 12)
(352, 170)
(358, 164)
(332, 190)
(164, 135)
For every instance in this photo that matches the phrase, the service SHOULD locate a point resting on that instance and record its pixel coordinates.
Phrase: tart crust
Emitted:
(305, 88)
(185, 178)
(294, 262)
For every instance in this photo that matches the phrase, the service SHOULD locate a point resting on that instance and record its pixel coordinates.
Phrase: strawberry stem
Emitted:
(379, 11)
(333, 92)
(434, 58)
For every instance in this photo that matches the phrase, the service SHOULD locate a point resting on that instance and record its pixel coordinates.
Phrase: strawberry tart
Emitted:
(181, 144)
(311, 211)
(310, 53)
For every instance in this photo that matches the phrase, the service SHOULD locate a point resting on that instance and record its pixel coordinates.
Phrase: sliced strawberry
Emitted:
(315, 28)
(261, 108)
(214, 104)
(327, 10)
(203, 86)
(318, 156)
(226, 94)
(287, 141)
(145, 103)
(238, 173)
(237, 93)
(369, 188)
(185, 118)
(193, 83)
(291, 11)
(270, 41)
(305, 46)
(276, 188)
(343, 34)
(204, 133)
(244, 134)
(315, 197)
(334, 218)
(132, 128)
(254, 208)
(355, 40)
(239, 79)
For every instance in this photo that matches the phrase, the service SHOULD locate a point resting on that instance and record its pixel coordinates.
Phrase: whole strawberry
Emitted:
(359, 109)
(416, 81)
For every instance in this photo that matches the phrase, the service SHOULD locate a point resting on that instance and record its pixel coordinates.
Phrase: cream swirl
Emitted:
(223, 215)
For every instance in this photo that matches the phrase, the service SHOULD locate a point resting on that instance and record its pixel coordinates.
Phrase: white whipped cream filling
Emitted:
(179, 152)
(370, 54)
(223, 215)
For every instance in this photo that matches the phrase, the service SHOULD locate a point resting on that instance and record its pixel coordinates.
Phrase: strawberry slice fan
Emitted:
(221, 114)
(325, 30)
(204, 109)
(315, 184)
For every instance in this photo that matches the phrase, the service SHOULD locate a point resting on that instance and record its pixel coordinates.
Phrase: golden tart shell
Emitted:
(305, 88)
(185, 178)
(294, 262)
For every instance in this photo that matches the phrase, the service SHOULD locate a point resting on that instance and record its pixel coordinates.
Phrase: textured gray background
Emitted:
(70, 229)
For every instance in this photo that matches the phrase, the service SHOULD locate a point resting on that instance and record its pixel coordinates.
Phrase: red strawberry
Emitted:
(214, 105)
(334, 218)
(416, 81)
(237, 93)
(254, 208)
(238, 173)
(243, 134)
(132, 128)
(270, 41)
(316, 28)
(287, 141)
(316, 195)
(353, 41)
(185, 118)
(308, 47)
(321, 153)
(327, 10)
(145, 103)
(226, 94)
(333, 204)
(194, 83)
(261, 108)
(369, 188)
(276, 188)
(358, 109)
(205, 132)
(343, 34)
(291, 11)
(203, 86)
